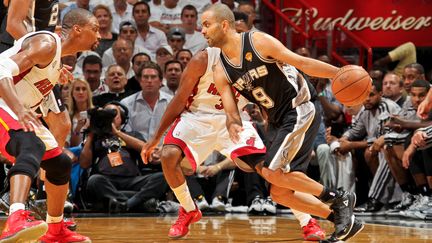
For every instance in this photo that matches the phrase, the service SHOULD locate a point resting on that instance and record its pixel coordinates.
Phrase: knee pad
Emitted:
(58, 169)
(28, 150)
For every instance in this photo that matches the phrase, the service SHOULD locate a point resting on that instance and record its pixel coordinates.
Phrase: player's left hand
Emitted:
(147, 150)
(234, 130)
(65, 74)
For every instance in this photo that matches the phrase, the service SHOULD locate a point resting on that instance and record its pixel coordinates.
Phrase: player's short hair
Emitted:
(78, 16)
(222, 12)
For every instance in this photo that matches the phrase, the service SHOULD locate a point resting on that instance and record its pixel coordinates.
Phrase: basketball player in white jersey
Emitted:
(199, 128)
(31, 68)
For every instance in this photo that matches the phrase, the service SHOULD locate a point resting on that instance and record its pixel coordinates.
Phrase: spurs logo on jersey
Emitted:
(245, 81)
(276, 86)
(35, 84)
(205, 98)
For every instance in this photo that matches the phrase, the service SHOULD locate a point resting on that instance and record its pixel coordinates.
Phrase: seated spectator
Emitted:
(105, 19)
(80, 101)
(92, 70)
(116, 82)
(184, 56)
(370, 124)
(195, 40)
(113, 156)
(176, 39)
(128, 31)
(147, 106)
(412, 72)
(396, 140)
(393, 88)
(173, 72)
(137, 61)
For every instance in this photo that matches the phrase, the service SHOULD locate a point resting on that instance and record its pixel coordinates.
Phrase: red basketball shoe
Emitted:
(312, 231)
(59, 233)
(21, 226)
(181, 227)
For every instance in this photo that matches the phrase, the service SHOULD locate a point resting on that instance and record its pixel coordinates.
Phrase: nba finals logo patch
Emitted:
(248, 56)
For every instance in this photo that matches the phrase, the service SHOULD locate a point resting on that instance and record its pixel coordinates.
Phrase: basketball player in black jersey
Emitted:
(264, 71)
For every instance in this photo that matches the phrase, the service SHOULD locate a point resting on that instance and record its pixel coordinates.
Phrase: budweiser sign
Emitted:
(380, 23)
(352, 22)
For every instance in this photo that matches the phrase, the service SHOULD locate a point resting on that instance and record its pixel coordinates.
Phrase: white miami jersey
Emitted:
(35, 84)
(205, 98)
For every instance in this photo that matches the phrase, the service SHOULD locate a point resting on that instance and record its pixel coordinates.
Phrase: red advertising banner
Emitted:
(381, 23)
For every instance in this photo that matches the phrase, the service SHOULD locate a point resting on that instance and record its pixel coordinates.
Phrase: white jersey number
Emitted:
(54, 15)
(260, 95)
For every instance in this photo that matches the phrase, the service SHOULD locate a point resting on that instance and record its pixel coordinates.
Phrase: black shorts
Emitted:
(290, 144)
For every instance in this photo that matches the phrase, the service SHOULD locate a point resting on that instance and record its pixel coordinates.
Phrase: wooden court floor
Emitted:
(231, 228)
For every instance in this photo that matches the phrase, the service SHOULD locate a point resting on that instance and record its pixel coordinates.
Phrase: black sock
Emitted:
(331, 217)
(424, 190)
(327, 194)
(408, 188)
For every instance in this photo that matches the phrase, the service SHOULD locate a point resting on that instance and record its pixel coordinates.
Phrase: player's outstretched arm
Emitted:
(17, 13)
(233, 120)
(270, 47)
(38, 50)
(191, 74)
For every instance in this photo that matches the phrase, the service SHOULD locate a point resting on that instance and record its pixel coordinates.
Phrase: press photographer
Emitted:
(113, 156)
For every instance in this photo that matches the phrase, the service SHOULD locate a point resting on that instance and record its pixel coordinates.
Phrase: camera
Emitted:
(101, 120)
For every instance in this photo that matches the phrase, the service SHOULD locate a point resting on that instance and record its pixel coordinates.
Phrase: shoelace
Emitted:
(181, 219)
(27, 215)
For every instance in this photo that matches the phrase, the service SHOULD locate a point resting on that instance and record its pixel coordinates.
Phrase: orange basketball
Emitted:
(351, 85)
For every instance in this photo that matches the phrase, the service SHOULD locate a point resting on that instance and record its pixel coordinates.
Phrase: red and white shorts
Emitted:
(198, 135)
(8, 121)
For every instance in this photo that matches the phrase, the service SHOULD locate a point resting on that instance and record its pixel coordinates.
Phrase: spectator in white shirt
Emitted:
(195, 41)
(166, 16)
(148, 36)
(176, 39)
(121, 11)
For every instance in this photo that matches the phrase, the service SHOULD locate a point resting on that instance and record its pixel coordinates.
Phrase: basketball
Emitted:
(351, 85)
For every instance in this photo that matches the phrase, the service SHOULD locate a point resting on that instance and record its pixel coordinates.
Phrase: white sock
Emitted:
(303, 218)
(15, 207)
(183, 196)
(53, 220)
